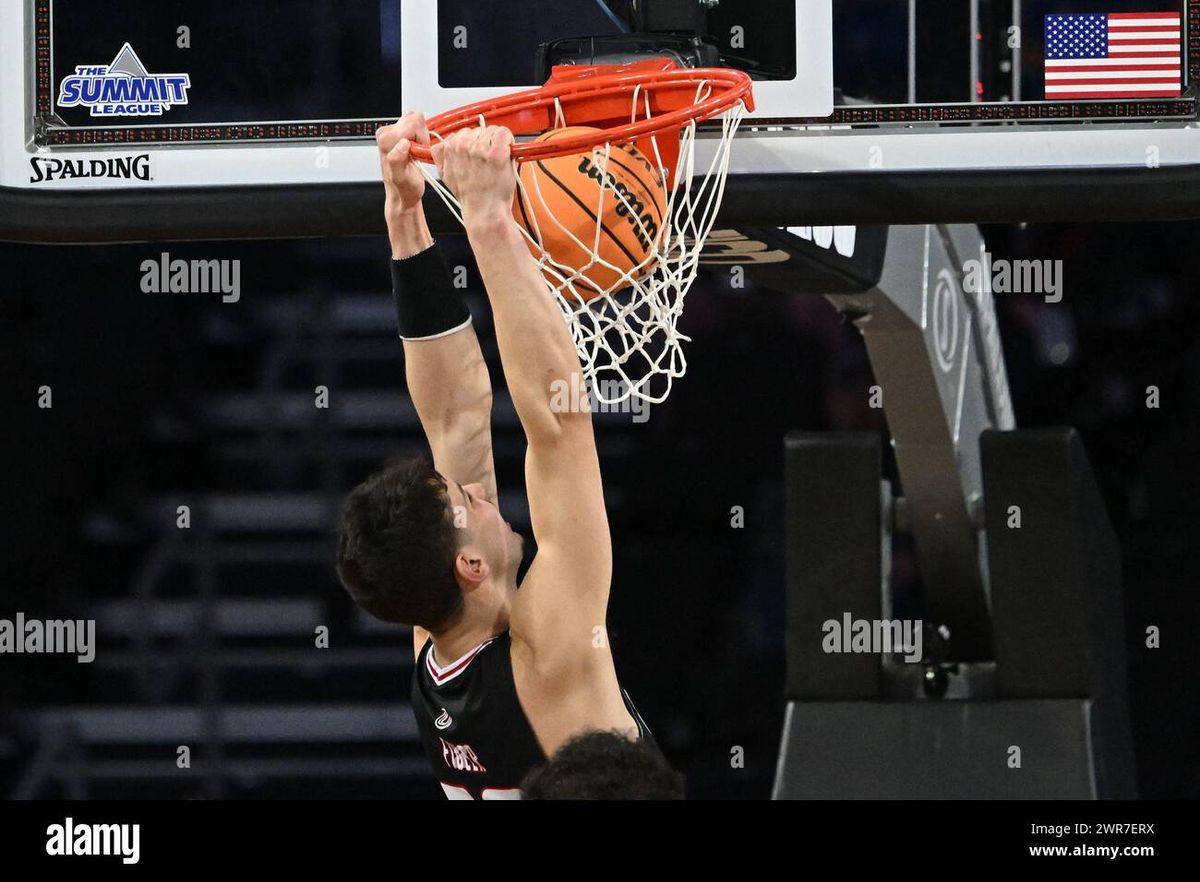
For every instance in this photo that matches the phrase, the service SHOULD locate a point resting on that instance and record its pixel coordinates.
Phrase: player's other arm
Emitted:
(446, 373)
(565, 594)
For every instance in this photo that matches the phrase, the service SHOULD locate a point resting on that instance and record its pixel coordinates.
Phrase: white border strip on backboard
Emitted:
(16, 89)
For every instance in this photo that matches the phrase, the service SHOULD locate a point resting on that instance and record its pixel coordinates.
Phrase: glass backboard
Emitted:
(134, 97)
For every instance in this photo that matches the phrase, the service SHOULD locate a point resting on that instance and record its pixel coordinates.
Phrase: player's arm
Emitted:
(565, 594)
(446, 373)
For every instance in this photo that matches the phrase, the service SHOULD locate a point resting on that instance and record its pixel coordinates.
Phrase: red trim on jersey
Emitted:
(449, 672)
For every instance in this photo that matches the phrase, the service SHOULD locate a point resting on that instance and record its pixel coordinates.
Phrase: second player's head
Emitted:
(418, 549)
(605, 765)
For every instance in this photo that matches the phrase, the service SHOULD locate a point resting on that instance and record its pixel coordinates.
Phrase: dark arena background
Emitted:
(228, 634)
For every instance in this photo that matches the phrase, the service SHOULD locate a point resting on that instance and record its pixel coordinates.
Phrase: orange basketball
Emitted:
(617, 213)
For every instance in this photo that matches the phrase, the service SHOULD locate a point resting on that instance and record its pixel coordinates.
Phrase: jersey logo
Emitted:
(123, 87)
(461, 758)
(444, 721)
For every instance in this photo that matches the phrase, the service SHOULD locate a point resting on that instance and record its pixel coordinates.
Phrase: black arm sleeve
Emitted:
(427, 304)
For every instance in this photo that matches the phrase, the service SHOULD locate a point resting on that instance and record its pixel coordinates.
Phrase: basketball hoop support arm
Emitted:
(936, 354)
(1028, 623)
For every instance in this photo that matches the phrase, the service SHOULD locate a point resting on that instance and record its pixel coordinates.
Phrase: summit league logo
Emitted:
(123, 88)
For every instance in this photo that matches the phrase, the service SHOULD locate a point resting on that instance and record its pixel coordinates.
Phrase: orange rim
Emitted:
(592, 96)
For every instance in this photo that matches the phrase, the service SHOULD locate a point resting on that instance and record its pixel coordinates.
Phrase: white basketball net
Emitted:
(627, 336)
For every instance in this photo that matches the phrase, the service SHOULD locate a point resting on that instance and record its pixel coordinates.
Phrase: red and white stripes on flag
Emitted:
(1114, 55)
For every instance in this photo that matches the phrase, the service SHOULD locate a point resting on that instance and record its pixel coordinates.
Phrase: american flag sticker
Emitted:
(1114, 55)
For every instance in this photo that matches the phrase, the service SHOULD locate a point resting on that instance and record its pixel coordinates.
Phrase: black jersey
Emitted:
(472, 726)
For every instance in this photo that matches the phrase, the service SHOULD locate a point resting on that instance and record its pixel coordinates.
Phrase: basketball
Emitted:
(595, 223)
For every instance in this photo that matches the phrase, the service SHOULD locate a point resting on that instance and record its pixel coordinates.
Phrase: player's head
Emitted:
(416, 549)
(604, 765)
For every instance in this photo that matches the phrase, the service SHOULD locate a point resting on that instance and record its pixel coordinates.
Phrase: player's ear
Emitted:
(470, 567)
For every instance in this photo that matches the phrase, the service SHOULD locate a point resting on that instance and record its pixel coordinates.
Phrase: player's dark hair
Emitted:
(397, 546)
(604, 765)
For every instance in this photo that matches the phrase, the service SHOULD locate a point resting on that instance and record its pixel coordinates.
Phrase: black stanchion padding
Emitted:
(834, 559)
(1056, 588)
(936, 750)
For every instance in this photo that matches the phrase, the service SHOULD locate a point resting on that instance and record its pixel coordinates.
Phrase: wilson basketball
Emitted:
(616, 212)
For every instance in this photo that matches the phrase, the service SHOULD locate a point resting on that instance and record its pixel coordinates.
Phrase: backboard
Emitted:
(456, 52)
(197, 118)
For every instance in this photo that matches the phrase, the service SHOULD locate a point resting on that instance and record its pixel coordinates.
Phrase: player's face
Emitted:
(493, 535)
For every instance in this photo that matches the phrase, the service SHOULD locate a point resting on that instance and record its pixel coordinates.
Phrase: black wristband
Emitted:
(427, 304)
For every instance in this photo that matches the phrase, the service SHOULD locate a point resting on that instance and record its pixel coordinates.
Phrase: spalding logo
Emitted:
(122, 168)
